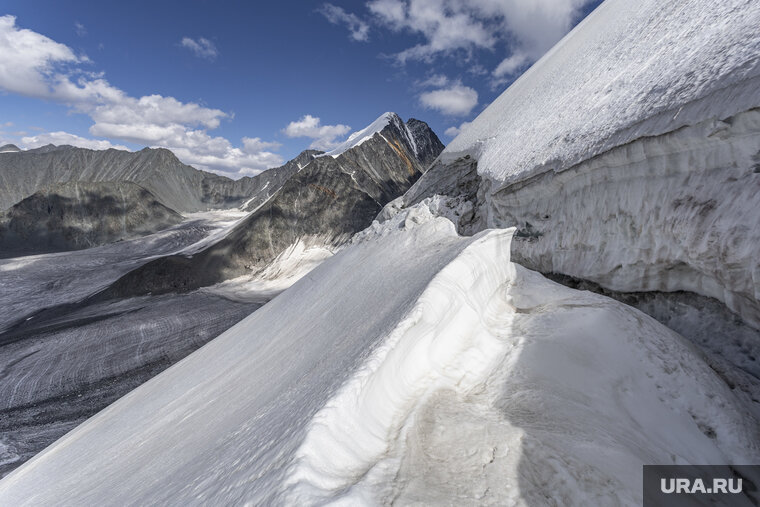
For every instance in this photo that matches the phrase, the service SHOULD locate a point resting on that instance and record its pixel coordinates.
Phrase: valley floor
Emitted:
(64, 355)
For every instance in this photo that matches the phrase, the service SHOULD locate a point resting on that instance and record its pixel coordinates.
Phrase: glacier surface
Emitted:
(468, 381)
(420, 366)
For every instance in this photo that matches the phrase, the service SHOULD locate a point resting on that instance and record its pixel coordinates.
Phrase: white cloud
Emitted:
(526, 29)
(510, 65)
(59, 138)
(478, 70)
(445, 24)
(36, 66)
(337, 15)
(202, 48)
(255, 144)
(80, 29)
(455, 131)
(324, 136)
(28, 60)
(434, 81)
(197, 148)
(456, 100)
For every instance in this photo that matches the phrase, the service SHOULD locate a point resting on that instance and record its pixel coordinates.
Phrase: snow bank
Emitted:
(630, 69)
(394, 217)
(629, 155)
(416, 367)
(444, 342)
(677, 212)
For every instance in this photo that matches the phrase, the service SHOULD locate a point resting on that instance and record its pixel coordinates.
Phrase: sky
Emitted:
(239, 87)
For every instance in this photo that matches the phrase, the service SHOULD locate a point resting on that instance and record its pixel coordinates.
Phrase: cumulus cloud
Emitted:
(202, 47)
(197, 148)
(456, 100)
(34, 65)
(526, 29)
(28, 60)
(510, 65)
(255, 144)
(58, 138)
(324, 136)
(358, 29)
(80, 29)
(445, 25)
(434, 81)
(455, 131)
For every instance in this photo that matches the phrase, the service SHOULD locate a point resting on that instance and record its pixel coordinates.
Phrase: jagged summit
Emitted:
(416, 133)
(364, 134)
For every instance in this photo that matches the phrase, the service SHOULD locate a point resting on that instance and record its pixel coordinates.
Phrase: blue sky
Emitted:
(237, 87)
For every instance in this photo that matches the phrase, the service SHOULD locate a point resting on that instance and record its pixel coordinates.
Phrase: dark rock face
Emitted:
(264, 185)
(324, 203)
(428, 144)
(72, 216)
(176, 185)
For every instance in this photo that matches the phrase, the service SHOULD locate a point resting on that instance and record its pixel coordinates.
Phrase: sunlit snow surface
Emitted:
(630, 69)
(419, 366)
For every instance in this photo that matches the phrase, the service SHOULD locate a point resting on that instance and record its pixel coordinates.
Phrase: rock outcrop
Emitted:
(72, 216)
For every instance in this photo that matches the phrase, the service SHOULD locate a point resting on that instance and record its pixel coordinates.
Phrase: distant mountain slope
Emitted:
(268, 182)
(177, 185)
(324, 203)
(72, 216)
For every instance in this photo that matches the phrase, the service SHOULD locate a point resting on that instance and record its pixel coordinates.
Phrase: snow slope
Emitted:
(630, 69)
(416, 366)
(629, 155)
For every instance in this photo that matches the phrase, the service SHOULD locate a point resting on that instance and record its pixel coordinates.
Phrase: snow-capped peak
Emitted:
(365, 134)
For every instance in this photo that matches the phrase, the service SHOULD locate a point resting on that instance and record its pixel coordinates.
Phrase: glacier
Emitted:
(469, 381)
(430, 361)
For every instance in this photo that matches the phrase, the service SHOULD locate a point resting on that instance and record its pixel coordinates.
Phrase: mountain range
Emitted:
(79, 329)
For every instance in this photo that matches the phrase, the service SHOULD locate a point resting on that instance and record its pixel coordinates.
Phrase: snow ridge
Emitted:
(481, 392)
(362, 135)
(443, 342)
